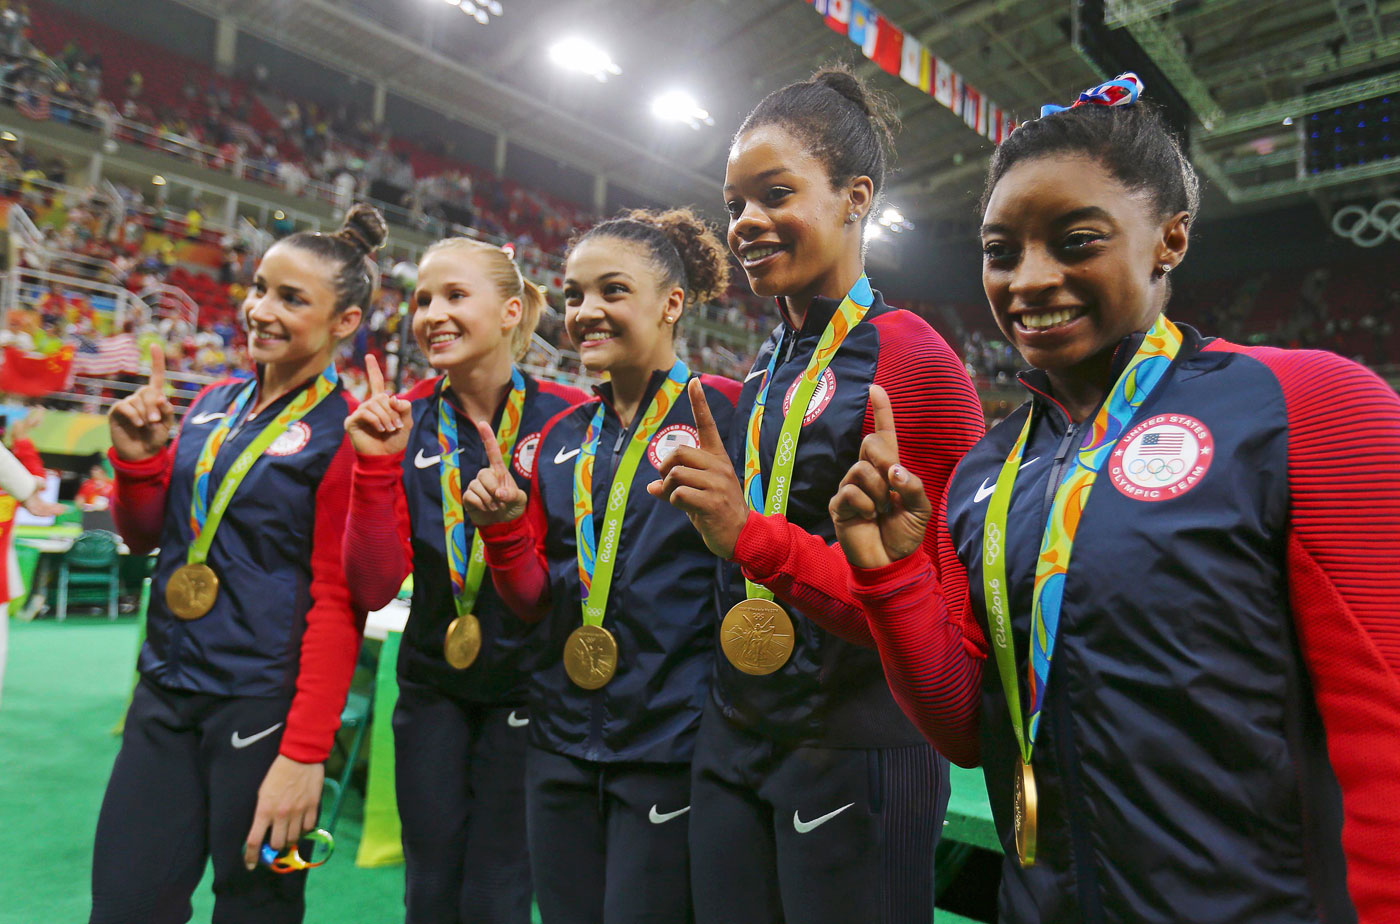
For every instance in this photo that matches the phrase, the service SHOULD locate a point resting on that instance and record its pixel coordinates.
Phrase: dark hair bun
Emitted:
(363, 228)
(848, 125)
(704, 257)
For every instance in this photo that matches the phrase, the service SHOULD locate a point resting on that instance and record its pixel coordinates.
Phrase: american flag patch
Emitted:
(1161, 444)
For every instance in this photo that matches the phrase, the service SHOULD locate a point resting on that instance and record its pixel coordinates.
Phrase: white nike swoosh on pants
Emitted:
(802, 827)
(244, 742)
(660, 818)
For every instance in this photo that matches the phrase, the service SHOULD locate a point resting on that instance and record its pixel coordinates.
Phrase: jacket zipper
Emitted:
(1086, 876)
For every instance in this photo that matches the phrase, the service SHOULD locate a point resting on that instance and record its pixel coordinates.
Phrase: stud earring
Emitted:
(853, 217)
(1165, 268)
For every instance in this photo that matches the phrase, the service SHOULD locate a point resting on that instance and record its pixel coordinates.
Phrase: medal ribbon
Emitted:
(1144, 372)
(467, 573)
(596, 556)
(206, 515)
(852, 309)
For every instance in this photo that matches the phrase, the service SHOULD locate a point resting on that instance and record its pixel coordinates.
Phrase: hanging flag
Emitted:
(943, 82)
(862, 20)
(838, 15)
(994, 123)
(888, 46)
(910, 61)
(972, 104)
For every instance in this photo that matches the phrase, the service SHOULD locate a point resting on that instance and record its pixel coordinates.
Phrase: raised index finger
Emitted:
(884, 414)
(710, 440)
(157, 379)
(493, 448)
(376, 378)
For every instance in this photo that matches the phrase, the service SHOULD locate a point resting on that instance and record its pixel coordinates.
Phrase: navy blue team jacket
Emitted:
(661, 609)
(497, 676)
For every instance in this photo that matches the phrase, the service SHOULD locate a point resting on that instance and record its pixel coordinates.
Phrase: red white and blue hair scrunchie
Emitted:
(1122, 90)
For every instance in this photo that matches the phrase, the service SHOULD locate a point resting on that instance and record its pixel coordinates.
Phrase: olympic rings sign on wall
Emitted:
(1369, 228)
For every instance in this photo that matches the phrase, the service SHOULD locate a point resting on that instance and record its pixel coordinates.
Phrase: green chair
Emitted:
(89, 572)
(359, 709)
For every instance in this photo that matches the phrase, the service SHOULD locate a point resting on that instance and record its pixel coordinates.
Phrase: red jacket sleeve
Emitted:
(1343, 548)
(930, 643)
(378, 547)
(937, 419)
(28, 456)
(138, 504)
(515, 550)
(331, 640)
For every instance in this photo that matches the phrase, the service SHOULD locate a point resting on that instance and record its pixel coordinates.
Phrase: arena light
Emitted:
(581, 55)
(680, 106)
(894, 220)
(157, 180)
(873, 232)
(494, 7)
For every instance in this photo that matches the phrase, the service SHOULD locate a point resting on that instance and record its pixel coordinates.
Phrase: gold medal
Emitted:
(590, 656)
(1024, 809)
(463, 641)
(757, 636)
(191, 591)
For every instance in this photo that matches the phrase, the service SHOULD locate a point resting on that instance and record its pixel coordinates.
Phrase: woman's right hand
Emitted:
(380, 426)
(493, 496)
(140, 423)
(881, 511)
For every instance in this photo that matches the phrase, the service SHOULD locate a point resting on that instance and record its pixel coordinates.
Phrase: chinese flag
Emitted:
(889, 45)
(35, 374)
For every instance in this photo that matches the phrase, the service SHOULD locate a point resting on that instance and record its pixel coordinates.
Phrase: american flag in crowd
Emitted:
(34, 105)
(107, 356)
(1162, 444)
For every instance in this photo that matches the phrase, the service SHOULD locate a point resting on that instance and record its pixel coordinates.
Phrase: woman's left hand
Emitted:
(700, 482)
(288, 802)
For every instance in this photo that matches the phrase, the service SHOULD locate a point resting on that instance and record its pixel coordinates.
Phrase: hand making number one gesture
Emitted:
(140, 423)
(380, 426)
(700, 481)
(880, 510)
(493, 496)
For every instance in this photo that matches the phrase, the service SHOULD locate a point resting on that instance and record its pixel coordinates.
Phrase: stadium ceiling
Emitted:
(1239, 67)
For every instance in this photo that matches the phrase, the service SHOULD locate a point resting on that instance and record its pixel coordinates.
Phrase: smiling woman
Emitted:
(250, 639)
(459, 735)
(815, 799)
(1200, 538)
(623, 584)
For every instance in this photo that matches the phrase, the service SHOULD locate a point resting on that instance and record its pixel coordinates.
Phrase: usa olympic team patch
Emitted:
(821, 396)
(525, 449)
(292, 441)
(669, 440)
(1162, 457)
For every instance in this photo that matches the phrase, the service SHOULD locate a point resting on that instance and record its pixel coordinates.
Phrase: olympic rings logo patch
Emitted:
(1162, 457)
(1369, 228)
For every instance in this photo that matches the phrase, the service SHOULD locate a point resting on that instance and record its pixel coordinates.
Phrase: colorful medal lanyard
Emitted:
(205, 515)
(1145, 371)
(597, 552)
(467, 573)
(850, 313)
